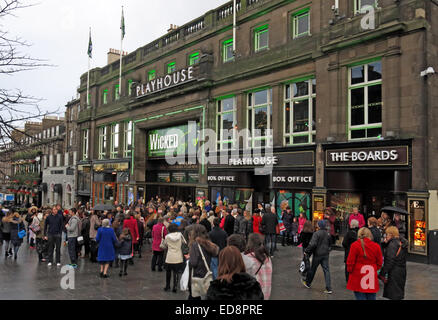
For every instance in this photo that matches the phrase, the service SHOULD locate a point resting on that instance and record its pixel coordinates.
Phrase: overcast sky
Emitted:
(58, 31)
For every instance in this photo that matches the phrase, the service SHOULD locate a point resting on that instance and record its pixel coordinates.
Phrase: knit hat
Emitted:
(321, 224)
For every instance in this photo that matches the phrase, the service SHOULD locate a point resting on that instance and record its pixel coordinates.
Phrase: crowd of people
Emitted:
(214, 251)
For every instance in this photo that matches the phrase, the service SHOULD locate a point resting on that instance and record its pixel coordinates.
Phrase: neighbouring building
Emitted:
(341, 101)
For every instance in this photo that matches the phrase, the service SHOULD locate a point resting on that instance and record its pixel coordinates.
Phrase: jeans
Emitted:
(54, 243)
(324, 262)
(157, 259)
(72, 252)
(270, 239)
(213, 266)
(286, 239)
(364, 296)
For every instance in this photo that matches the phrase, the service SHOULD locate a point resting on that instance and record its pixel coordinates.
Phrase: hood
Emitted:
(241, 282)
(174, 236)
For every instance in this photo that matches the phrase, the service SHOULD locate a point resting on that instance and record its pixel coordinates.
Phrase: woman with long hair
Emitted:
(261, 263)
(16, 225)
(6, 231)
(200, 248)
(233, 282)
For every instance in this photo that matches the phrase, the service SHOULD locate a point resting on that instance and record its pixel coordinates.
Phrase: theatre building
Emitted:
(314, 108)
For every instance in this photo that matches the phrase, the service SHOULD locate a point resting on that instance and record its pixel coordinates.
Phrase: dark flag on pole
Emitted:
(90, 47)
(122, 25)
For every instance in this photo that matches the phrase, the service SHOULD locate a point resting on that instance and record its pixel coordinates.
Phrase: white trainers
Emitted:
(58, 264)
(49, 264)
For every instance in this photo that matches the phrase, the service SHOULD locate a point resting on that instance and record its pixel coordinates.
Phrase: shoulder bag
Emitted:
(184, 246)
(163, 245)
(22, 232)
(201, 285)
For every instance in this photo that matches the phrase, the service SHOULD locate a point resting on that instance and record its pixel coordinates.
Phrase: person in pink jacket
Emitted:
(159, 232)
(301, 221)
(356, 215)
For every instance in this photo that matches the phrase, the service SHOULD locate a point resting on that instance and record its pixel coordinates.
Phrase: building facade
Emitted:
(335, 96)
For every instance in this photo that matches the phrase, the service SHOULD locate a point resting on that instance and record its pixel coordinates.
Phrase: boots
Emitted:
(125, 267)
(175, 282)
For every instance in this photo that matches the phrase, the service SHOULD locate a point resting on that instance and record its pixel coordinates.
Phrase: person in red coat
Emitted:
(257, 220)
(159, 232)
(132, 225)
(363, 262)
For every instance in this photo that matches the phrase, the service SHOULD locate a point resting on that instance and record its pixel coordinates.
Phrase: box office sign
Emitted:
(378, 156)
(291, 179)
(221, 178)
(180, 139)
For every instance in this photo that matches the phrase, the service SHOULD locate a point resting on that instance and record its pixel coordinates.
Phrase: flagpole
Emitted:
(88, 78)
(121, 54)
(234, 26)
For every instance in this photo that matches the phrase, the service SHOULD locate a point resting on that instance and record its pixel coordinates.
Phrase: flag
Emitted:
(90, 47)
(122, 25)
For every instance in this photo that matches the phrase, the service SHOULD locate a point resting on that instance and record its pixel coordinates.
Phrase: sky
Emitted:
(58, 31)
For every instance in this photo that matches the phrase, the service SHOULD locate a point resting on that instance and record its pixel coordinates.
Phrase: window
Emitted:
(365, 101)
(299, 112)
(194, 58)
(127, 139)
(261, 38)
(151, 75)
(85, 144)
(116, 92)
(102, 142)
(259, 119)
(227, 50)
(301, 23)
(226, 120)
(89, 101)
(359, 4)
(114, 141)
(105, 96)
(130, 87)
(171, 67)
(70, 140)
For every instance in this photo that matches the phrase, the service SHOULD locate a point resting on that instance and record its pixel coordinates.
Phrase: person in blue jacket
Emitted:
(106, 238)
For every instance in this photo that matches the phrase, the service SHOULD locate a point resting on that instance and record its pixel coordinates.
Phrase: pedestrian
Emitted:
(95, 224)
(330, 218)
(239, 242)
(204, 221)
(364, 260)
(294, 231)
(159, 233)
(53, 234)
(260, 263)
(140, 226)
(174, 263)
(247, 223)
(287, 218)
(106, 238)
(85, 232)
(41, 243)
(73, 228)
(30, 218)
(124, 249)
(306, 235)
(401, 226)
(229, 222)
(211, 217)
(349, 239)
(6, 232)
(301, 220)
(16, 225)
(201, 251)
(239, 224)
(394, 266)
(372, 225)
(356, 215)
(132, 224)
(218, 237)
(319, 246)
(233, 282)
(256, 221)
(268, 224)
(118, 230)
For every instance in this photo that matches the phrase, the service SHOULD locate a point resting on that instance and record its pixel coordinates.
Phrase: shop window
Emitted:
(259, 120)
(359, 4)
(151, 75)
(365, 101)
(227, 50)
(301, 23)
(102, 143)
(226, 123)
(85, 144)
(114, 141)
(127, 139)
(194, 58)
(261, 38)
(171, 67)
(300, 112)
(299, 202)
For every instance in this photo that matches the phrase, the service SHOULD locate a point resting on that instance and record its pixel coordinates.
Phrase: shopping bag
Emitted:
(304, 266)
(281, 226)
(184, 282)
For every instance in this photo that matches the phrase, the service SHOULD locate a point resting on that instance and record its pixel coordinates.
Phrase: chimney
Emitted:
(114, 55)
(173, 27)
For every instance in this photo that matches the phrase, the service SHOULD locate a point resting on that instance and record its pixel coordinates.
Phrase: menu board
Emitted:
(179, 177)
(318, 207)
(193, 177)
(418, 226)
(163, 177)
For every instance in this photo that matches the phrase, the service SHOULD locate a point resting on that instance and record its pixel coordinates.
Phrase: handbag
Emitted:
(35, 228)
(304, 266)
(80, 240)
(184, 282)
(21, 233)
(201, 285)
(184, 246)
(163, 245)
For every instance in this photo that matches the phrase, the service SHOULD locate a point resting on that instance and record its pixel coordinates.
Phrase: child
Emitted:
(125, 251)
(295, 231)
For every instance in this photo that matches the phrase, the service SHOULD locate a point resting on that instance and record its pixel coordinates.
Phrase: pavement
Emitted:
(28, 279)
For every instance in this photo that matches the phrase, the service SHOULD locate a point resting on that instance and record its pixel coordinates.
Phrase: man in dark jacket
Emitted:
(319, 246)
(239, 226)
(350, 237)
(53, 233)
(229, 224)
(269, 224)
(287, 218)
(219, 238)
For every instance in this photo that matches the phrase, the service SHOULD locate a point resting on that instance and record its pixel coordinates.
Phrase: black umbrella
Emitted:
(394, 210)
(103, 207)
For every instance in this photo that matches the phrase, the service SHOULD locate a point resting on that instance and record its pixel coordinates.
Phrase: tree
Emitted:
(16, 107)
